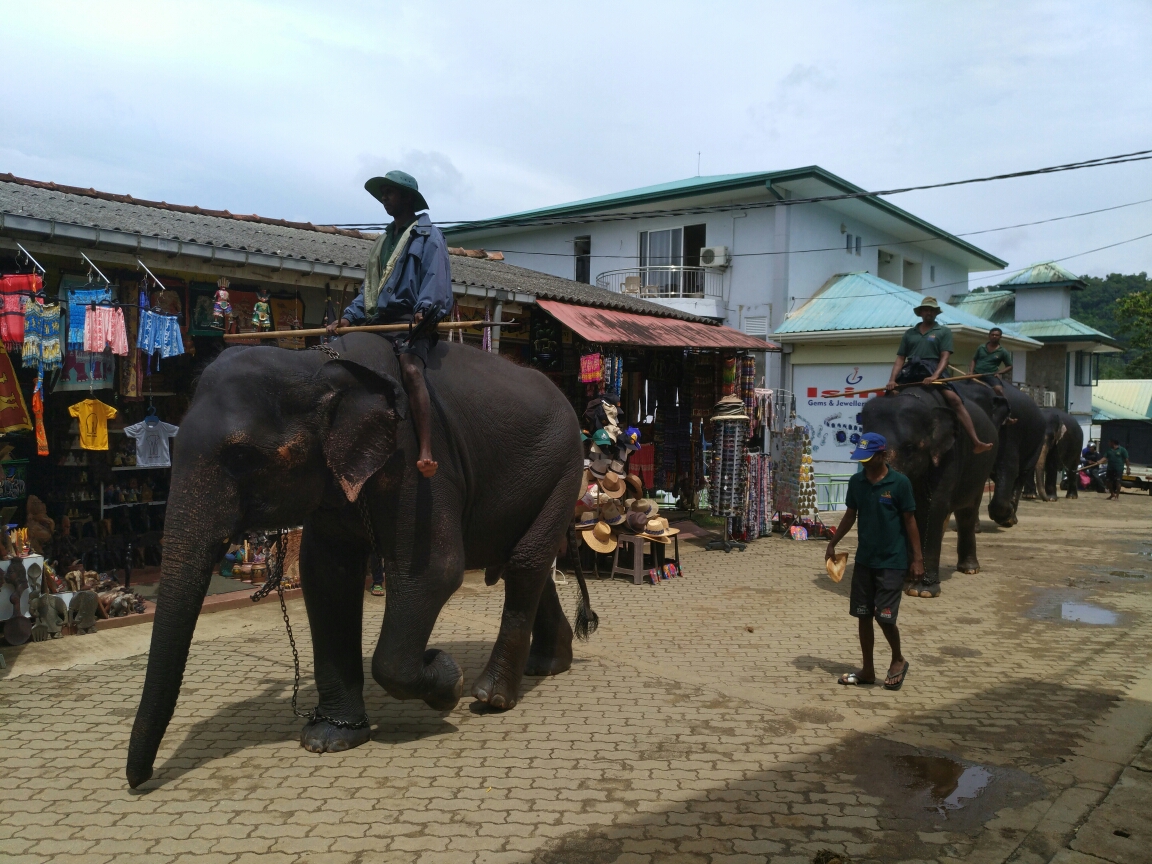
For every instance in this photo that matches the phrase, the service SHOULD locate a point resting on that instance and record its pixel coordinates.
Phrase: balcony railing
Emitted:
(664, 283)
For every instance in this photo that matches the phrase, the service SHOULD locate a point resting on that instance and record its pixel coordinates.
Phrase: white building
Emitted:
(730, 247)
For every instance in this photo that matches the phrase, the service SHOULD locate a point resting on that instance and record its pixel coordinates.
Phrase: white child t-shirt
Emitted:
(152, 447)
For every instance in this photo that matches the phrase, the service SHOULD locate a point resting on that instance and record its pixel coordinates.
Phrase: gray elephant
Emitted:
(926, 444)
(1063, 442)
(1016, 458)
(277, 438)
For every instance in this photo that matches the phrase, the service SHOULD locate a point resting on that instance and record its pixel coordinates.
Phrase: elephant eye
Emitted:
(241, 459)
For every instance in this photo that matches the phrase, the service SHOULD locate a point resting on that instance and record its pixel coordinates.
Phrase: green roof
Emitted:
(718, 183)
(860, 302)
(1123, 399)
(1064, 330)
(999, 307)
(1047, 274)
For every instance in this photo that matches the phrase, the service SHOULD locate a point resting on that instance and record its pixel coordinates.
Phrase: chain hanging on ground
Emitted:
(276, 580)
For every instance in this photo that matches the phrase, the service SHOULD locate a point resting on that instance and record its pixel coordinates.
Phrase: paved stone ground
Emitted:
(702, 723)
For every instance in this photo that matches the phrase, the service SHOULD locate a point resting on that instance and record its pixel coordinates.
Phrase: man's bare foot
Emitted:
(982, 447)
(426, 467)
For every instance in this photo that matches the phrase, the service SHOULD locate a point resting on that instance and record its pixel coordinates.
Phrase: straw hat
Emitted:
(636, 484)
(599, 468)
(646, 506)
(612, 513)
(835, 566)
(586, 520)
(613, 485)
(637, 522)
(929, 303)
(600, 537)
(729, 408)
(657, 531)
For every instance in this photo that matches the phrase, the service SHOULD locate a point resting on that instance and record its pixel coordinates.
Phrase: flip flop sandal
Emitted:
(900, 683)
(929, 591)
(852, 679)
(377, 590)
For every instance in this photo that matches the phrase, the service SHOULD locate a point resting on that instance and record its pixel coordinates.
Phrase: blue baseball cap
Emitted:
(869, 445)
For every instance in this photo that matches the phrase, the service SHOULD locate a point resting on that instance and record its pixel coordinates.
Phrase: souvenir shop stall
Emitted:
(667, 397)
(96, 374)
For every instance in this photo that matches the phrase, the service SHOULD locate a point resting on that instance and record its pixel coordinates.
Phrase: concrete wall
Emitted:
(1043, 304)
(1047, 368)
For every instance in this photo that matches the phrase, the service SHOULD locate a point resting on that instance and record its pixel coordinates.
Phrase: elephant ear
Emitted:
(943, 433)
(367, 404)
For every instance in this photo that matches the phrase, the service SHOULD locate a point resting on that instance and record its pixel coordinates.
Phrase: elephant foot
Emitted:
(443, 669)
(320, 736)
(438, 682)
(496, 690)
(1072, 495)
(553, 665)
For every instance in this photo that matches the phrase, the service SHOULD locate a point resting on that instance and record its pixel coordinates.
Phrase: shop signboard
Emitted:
(833, 422)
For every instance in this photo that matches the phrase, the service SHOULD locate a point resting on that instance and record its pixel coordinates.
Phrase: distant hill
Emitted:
(1095, 306)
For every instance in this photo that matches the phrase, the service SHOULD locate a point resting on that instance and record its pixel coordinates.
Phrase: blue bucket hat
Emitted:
(869, 445)
(397, 180)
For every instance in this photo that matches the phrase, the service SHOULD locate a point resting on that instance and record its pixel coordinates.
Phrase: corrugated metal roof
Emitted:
(1044, 273)
(861, 301)
(999, 307)
(1063, 330)
(625, 328)
(1124, 399)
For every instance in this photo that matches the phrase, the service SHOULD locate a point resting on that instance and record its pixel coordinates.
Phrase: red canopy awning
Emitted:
(610, 327)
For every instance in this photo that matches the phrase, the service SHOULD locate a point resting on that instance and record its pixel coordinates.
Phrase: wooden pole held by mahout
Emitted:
(366, 328)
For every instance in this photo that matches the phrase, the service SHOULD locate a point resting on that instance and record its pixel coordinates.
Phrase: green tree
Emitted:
(1134, 314)
(1097, 306)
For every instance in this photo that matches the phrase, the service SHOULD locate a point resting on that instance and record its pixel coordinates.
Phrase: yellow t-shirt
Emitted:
(93, 416)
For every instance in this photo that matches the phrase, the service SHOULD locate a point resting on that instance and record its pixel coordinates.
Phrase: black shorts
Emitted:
(992, 380)
(416, 347)
(876, 592)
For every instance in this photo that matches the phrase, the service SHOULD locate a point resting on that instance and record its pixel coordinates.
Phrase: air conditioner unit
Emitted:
(1049, 399)
(714, 256)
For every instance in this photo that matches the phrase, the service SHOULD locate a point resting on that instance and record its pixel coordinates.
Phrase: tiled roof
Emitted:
(190, 224)
(861, 301)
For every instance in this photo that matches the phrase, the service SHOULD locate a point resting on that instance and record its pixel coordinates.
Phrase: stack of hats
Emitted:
(601, 517)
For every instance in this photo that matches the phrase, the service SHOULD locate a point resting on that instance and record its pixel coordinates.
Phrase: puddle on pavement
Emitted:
(950, 784)
(931, 790)
(1086, 613)
(1070, 604)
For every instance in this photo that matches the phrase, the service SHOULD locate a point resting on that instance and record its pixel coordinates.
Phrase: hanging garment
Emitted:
(93, 416)
(41, 336)
(13, 410)
(591, 368)
(38, 412)
(104, 327)
(79, 299)
(13, 291)
(130, 369)
(171, 344)
(159, 334)
(153, 449)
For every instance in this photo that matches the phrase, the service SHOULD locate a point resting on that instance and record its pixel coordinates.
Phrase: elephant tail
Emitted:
(586, 620)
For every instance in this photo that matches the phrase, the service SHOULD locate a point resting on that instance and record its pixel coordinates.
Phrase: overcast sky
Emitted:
(284, 109)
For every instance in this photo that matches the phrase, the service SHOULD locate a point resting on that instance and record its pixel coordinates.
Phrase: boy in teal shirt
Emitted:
(884, 501)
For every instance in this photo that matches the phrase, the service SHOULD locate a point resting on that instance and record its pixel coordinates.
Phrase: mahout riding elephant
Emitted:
(276, 438)
(1063, 442)
(1020, 445)
(925, 443)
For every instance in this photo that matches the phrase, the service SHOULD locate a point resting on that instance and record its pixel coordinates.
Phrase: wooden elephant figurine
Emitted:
(82, 611)
(50, 613)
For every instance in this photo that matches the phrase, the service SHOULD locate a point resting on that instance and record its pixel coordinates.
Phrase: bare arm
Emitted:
(972, 366)
(940, 367)
(843, 528)
(896, 367)
(914, 539)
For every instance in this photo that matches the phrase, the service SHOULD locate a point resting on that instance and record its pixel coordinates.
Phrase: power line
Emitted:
(524, 221)
(839, 248)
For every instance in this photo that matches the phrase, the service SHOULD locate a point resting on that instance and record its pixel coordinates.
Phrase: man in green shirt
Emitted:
(886, 505)
(989, 358)
(923, 356)
(1117, 459)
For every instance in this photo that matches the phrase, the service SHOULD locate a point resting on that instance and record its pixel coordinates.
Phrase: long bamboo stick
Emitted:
(366, 328)
(898, 386)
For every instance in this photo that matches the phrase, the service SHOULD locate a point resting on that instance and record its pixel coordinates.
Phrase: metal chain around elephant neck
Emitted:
(332, 353)
(276, 580)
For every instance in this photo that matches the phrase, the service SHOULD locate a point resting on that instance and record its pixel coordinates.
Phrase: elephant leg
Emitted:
(1072, 481)
(967, 521)
(529, 571)
(332, 578)
(551, 651)
(931, 539)
(402, 663)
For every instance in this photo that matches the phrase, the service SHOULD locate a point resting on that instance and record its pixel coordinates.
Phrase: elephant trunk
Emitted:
(198, 523)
